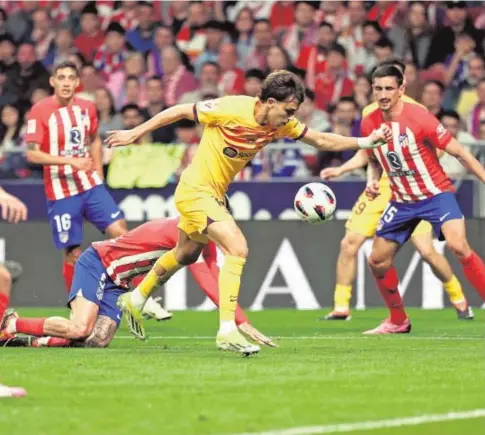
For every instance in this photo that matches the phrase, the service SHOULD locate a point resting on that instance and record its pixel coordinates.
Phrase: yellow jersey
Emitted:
(384, 184)
(231, 138)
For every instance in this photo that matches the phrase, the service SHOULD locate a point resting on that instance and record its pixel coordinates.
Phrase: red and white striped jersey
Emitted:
(410, 160)
(64, 131)
(135, 252)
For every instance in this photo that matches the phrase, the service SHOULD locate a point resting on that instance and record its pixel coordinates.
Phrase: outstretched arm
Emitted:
(466, 159)
(336, 142)
(165, 117)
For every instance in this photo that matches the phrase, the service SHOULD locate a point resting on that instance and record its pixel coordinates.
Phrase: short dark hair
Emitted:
(450, 114)
(282, 85)
(393, 61)
(373, 24)
(154, 78)
(437, 83)
(309, 94)
(262, 20)
(64, 64)
(326, 24)
(127, 107)
(388, 71)
(211, 63)
(338, 48)
(385, 42)
(132, 78)
(347, 99)
(254, 73)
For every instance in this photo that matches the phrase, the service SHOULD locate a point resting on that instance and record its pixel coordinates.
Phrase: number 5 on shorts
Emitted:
(389, 213)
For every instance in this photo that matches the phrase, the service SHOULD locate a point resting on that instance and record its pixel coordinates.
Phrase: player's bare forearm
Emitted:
(35, 155)
(374, 171)
(166, 117)
(336, 142)
(97, 155)
(359, 160)
(466, 159)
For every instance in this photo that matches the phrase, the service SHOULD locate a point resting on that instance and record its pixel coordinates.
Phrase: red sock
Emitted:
(51, 342)
(4, 300)
(388, 286)
(68, 274)
(474, 269)
(30, 326)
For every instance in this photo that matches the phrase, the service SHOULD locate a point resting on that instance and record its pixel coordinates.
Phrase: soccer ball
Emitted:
(315, 202)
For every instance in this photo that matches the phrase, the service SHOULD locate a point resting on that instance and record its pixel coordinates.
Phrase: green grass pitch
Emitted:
(323, 373)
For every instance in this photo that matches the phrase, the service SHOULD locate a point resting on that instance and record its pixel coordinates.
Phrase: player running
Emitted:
(103, 272)
(236, 128)
(62, 135)
(362, 224)
(420, 190)
(13, 211)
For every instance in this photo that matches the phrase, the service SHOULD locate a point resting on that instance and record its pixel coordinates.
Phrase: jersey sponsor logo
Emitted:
(75, 136)
(394, 159)
(229, 152)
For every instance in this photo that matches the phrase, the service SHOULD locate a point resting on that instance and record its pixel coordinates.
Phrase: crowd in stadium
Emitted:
(136, 58)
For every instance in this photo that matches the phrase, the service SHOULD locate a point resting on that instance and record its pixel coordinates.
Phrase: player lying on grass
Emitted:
(13, 211)
(104, 271)
(420, 190)
(236, 128)
(363, 222)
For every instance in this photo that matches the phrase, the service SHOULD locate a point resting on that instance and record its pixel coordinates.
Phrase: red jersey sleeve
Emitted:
(36, 130)
(93, 119)
(434, 131)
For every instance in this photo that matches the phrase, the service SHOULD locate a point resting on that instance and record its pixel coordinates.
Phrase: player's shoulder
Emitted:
(369, 109)
(84, 104)
(408, 100)
(45, 103)
(235, 102)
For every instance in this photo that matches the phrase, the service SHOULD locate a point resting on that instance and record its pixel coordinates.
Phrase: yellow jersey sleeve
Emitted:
(214, 112)
(293, 129)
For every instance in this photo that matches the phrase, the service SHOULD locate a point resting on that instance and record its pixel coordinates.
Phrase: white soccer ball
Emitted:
(315, 202)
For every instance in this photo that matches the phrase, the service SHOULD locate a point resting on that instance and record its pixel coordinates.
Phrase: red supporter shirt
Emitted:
(410, 160)
(64, 131)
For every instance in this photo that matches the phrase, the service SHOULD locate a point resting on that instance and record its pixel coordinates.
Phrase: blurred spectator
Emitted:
(477, 115)
(3, 22)
(110, 56)
(363, 91)
(352, 38)
(141, 37)
(303, 32)
(108, 118)
(20, 23)
(132, 117)
(443, 42)
(61, 48)
(414, 87)
(312, 117)
(77, 59)
(481, 131)
(11, 124)
(131, 91)
(192, 36)
(383, 50)
(215, 35)
(208, 87)
(91, 37)
(468, 96)
(312, 59)
(91, 82)
(156, 105)
(7, 56)
(282, 15)
(334, 83)
(186, 132)
(335, 13)
(244, 25)
(38, 94)
(432, 97)
(263, 40)
(126, 16)
(232, 77)
(383, 12)
(346, 114)
(253, 82)
(26, 74)
(372, 33)
(451, 121)
(179, 11)
(278, 58)
(412, 40)
(134, 65)
(163, 37)
(43, 33)
(177, 79)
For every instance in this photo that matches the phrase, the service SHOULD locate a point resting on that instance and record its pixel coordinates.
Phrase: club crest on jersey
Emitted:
(63, 236)
(403, 140)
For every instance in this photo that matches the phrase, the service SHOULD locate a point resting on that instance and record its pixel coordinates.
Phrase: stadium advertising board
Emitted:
(291, 265)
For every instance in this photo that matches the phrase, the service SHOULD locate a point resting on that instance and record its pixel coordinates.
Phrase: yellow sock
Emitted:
(229, 283)
(341, 297)
(169, 264)
(454, 290)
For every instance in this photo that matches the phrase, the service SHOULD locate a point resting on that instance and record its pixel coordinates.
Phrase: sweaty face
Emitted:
(280, 112)
(386, 92)
(65, 81)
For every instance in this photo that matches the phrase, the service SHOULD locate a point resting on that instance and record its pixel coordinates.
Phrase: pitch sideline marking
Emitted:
(319, 337)
(376, 424)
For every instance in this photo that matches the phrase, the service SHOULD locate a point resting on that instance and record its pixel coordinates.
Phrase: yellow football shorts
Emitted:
(197, 210)
(366, 214)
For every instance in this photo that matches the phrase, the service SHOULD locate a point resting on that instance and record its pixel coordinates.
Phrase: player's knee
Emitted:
(350, 245)
(460, 248)
(427, 253)
(98, 340)
(117, 229)
(5, 278)
(378, 264)
(80, 331)
(241, 250)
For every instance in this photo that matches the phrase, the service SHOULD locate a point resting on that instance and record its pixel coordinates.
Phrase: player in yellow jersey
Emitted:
(236, 128)
(362, 224)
